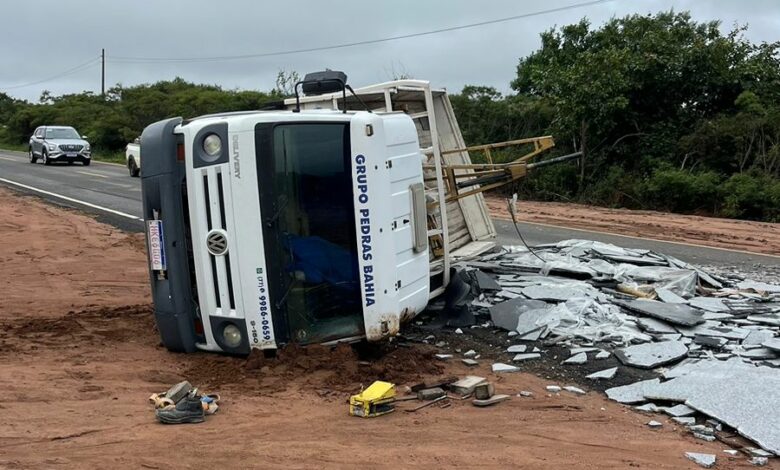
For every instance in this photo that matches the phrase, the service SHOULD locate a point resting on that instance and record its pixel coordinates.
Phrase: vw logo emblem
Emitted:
(216, 242)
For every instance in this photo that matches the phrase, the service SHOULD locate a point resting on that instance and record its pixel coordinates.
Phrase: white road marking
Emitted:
(91, 173)
(10, 159)
(70, 199)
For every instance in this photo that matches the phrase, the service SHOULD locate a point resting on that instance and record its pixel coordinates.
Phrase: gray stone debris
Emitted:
(703, 460)
(757, 337)
(574, 351)
(684, 420)
(580, 358)
(499, 367)
(679, 314)
(605, 374)
(485, 282)
(466, 385)
(470, 353)
(731, 452)
(525, 393)
(603, 355)
(516, 348)
(553, 388)
(773, 344)
(574, 390)
(551, 292)
(710, 304)
(648, 407)
(631, 393)
(654, 424)
(704, 437)
(651, 325)
(443, 357)
(650, 355)
(669, 297)
(526, 357)
(759, 461)
(679, 410)
(470, 362)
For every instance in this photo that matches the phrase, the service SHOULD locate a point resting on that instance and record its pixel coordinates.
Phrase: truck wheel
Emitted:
(86, 162)
(133, 168)
(46, 160)
(33, 158)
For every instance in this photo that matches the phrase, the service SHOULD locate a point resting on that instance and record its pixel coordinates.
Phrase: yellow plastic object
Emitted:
(376, 400)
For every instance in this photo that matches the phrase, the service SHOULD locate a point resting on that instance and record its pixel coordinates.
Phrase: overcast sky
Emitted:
(43, 38)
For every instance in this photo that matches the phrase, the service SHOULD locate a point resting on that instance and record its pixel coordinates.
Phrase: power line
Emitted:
(352, 44)
(70, 71)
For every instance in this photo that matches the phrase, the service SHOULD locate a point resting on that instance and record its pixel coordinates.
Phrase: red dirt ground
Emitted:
(80, 356)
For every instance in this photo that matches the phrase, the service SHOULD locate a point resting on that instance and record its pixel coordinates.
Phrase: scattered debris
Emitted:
(443, 357)
(516, 348)
(499, 367)
(374, 401)
(553, 388)
(631, 393)
(574, 390)
(580, 358)
(654, 424)
(703, 460)
(526, 357)
(466, 385)
(490, 401)
(470, 362)
(684, 420)
(759, 461)
(430, 394)
(484, 391)
(605, 374)
(525, 393)
(679, 410)
(470, 353)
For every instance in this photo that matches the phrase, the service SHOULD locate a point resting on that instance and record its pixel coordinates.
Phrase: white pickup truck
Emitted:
(133, 157)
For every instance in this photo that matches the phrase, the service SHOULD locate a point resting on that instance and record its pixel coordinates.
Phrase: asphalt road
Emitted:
(108, 192)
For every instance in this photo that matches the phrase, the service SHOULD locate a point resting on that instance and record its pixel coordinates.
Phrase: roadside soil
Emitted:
(755, 237)
(80, 355)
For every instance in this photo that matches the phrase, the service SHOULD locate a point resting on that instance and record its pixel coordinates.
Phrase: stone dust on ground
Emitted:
(80, 356)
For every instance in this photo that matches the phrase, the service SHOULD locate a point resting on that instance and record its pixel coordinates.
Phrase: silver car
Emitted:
(59, 144)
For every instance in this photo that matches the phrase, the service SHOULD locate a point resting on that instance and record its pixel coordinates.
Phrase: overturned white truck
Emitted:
(318, 221)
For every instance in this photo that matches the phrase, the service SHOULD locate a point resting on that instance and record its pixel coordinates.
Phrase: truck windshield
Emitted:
(305, 186)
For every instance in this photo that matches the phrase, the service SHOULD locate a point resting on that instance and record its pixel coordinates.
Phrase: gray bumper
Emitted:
(162, 183)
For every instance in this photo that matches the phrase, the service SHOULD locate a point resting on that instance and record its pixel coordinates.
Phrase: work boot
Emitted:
(188, 410)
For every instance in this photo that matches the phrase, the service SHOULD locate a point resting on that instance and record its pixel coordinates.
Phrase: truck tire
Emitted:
(132, 167)
(33, 158)
(86, 162)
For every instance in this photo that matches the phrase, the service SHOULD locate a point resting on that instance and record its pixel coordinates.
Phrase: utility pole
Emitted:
(103, 73)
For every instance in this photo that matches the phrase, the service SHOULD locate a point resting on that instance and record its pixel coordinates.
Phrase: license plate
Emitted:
(71, 154)
(154, 230)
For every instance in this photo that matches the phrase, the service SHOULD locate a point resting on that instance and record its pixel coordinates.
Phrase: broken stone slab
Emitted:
(711, 304)
(506, 314)
(680, 410)
(679, 314)
(490, 401)
(651, 355)
(758, 353)
(669, 297)
(516, 348)
(485, 282)
(759, 461)
(526, 357)
(605, 374)
(500, 368)
(654, 424)
(737, 394)
(574, 351)
(704, 437)
(603, 355)
(684, 420)
(580, 358)
(470, 353)
(647, 407)
(702, 460)
(711, 341)
(443, 357)
(552, 293)
(773, 344)
(759, 286)
(553, 388)
(574, 390)
(651, 325)
(466, 385)
(470, 362)
(484, 391)
(631, 393)
(716, 331)
(757, 337)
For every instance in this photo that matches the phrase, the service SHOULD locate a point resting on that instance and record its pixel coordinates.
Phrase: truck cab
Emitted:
(271, 227)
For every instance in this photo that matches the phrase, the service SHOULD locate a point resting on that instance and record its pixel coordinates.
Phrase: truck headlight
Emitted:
(231, 335)
(212, 145)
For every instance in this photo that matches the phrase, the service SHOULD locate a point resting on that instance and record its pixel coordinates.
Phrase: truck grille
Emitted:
(213, 183)
(71, 147)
